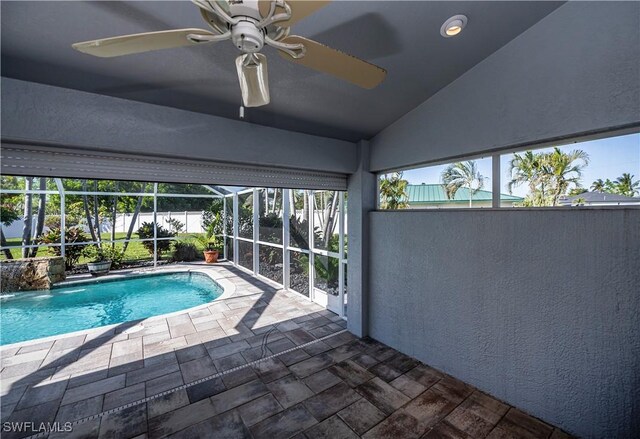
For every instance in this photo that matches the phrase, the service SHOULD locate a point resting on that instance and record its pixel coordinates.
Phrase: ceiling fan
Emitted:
(250, 24)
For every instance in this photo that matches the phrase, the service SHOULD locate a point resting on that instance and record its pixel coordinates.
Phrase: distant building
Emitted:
(599, 199)
(434, 196)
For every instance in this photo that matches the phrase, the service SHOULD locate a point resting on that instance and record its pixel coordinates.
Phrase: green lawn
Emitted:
(135, 250)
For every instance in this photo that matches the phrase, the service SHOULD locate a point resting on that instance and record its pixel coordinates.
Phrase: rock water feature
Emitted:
(31, 273)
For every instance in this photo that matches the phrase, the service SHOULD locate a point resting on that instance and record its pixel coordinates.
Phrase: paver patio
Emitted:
(340, 387)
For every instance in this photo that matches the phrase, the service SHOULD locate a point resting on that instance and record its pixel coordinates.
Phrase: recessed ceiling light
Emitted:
(453, 26)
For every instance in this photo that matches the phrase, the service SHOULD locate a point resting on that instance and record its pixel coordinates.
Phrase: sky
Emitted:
(608, 158)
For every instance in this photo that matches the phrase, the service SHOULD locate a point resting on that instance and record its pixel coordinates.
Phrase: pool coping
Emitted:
(227, 286)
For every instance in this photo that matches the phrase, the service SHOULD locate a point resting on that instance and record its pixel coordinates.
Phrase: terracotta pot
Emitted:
(98, 268)
(210, 256)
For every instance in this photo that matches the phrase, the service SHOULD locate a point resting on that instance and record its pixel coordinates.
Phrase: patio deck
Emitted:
(262, 363)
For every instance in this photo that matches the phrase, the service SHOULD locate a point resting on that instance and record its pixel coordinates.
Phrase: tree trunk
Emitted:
(113, 219)
(3, 243)
(275, 197)
(133, 220)
(113, 222)
(28, 218)
(330, 219)
(560, 188)
(87, 213)
(305, 206)
(292, 204)
(318, 221)
(96, 216)
(42, 205)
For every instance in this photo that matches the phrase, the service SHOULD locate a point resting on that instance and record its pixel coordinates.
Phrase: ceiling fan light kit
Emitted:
(254, 80)
(250, 25)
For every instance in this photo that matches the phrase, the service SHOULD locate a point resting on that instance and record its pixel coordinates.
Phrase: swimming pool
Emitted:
(35, 314)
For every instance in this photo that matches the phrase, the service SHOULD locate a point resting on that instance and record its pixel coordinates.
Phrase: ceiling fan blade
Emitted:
(342, 65)
(224, 4)
(207, 5)
(213, 20)
(299, 9)
(138, 43)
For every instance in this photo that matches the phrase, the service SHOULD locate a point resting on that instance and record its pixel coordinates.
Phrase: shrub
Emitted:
(209, 217)
(327, 269)
(115, 255)
(52, 221)
(146, 232)
(106, 253)
(176, 225)
(185, 252)
(209, 241)
(300, 263)
(72, 253)
(270, 255)
(245, 221)
(271, 228)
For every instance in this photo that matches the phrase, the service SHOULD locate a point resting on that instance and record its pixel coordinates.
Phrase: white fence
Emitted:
(14, 230)
(192, 223)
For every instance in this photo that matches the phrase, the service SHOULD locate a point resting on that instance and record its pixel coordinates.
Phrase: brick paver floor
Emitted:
(340, 387)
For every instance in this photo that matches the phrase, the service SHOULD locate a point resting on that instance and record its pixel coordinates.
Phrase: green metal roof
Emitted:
(435, 193)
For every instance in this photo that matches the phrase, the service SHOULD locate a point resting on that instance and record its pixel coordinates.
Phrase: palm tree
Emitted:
(525, 169)
(598, 185)
(462, 174)
(626, 186)
(132, 224)
(529, 168)
(393, 192)
(564, 169)
(327, 203)
(28, 217)
(549, 175)
(87, 212)
(42, 204)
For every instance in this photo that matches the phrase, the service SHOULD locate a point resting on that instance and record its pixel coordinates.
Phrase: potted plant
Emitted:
(99, 263)
(209, 241)
(210, 247)
(211, 251)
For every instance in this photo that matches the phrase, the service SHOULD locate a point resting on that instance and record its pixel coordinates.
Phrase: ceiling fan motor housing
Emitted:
(247, 37)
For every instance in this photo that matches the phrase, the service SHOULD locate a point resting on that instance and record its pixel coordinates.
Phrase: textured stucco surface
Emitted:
(576, 71)
(361, 187)
(538, 308)
(41, 113)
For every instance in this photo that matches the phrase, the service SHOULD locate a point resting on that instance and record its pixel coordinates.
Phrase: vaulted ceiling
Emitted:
(402, 37)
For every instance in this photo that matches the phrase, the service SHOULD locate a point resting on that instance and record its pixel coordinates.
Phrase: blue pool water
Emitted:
(35, 314)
